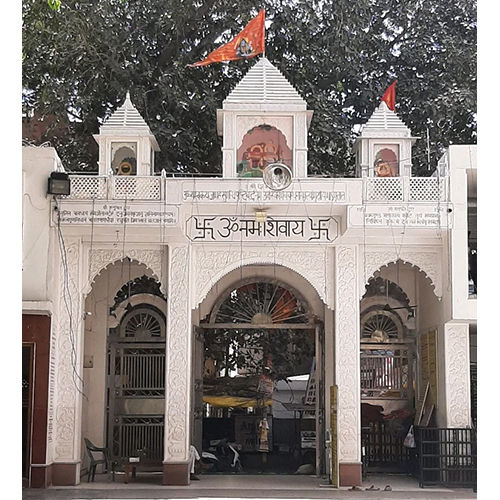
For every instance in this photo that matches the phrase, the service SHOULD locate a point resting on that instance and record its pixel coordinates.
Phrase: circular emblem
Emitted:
(277, 176)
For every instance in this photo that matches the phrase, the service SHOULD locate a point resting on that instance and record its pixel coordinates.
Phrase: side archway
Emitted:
(426, 261)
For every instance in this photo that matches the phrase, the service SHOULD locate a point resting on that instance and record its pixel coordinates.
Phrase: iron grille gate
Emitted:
(447, 457)
(136, 394)
(385, 372)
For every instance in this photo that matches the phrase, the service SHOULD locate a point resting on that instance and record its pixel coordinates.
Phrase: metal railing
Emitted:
(446, 457)
(383, 447)
(138, 436)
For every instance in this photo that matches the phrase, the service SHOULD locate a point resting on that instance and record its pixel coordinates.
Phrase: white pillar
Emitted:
(65, 370)
(457, 374)
(178, 369)
(347, 364)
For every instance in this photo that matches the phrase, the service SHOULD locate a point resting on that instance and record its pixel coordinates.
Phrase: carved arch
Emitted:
(212, 266)
(100, 259)
(426, 262)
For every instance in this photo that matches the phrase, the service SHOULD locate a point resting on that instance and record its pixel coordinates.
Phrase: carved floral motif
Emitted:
(178, 389)
(101, 258)
(64, 363)
(458, 410)
(347, 354)
(212, 265)
(427, 261)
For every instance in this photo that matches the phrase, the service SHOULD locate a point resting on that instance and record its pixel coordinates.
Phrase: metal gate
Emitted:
(447, 457)
(136, 386)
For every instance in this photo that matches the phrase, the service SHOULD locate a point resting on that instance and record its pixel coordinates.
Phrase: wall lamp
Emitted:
(59, 184)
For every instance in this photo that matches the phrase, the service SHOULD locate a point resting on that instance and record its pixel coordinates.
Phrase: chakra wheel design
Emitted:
(260, 303)
(379, 325)
(142, 323)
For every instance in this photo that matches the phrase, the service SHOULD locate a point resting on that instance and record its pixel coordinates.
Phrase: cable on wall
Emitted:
(77, 379)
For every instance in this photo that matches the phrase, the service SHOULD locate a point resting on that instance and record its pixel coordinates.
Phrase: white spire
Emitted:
(383, 119)
(265, 84)
(126, 116)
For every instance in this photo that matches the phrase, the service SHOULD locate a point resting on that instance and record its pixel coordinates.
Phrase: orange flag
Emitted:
(248, 43)
(389, 96)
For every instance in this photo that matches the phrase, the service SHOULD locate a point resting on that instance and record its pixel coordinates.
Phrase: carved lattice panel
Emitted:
(138, 188)
(86, 187)
(384, 189)
(426, 189)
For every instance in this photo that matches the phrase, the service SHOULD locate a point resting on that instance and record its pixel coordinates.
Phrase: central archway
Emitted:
(258, 388)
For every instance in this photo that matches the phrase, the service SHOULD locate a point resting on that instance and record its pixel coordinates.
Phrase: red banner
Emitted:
(248, 43)
(389, 96)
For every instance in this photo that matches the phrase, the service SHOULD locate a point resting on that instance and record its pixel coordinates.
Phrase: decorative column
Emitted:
(65, 371)
(178, 370)
(347, 365)
(457, 375)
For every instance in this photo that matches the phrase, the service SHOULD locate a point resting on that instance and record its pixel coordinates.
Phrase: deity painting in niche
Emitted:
(386, 163)
(261, 146)
(124, 158)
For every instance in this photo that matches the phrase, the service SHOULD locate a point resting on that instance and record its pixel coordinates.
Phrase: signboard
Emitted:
(307, 439)
(400, 216)
(273, 229)
(104, 213)
(203, 192)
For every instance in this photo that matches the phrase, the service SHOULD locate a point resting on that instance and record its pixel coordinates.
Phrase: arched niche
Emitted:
(260, 146)
(386, 163)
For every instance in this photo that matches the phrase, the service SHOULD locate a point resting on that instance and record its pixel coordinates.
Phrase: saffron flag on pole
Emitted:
(248, 43)
(389, 96)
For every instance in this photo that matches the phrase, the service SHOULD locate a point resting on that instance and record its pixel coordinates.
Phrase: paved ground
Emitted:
(247, 487)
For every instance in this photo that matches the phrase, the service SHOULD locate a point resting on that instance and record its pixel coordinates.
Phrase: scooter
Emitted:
(221, 456)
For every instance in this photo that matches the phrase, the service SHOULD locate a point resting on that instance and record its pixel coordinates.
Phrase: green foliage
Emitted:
(279, 353)
(80, 58)
(54, 4)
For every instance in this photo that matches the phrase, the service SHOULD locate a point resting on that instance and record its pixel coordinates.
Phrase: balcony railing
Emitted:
(116, 188)
(399, 189)
(375, 189)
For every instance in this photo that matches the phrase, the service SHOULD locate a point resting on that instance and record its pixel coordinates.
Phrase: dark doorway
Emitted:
(27, 404)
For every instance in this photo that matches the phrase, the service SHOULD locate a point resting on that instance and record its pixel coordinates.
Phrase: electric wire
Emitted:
(67, 299)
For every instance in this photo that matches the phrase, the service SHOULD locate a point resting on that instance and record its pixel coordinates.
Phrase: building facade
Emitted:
(126, 277)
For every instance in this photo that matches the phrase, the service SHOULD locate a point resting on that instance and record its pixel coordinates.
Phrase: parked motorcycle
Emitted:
(221, 456)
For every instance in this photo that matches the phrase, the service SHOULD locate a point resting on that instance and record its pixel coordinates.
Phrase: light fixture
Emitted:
(59, 184)
(260, 215)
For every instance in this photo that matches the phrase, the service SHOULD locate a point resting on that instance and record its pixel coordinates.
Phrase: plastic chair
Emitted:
(94, 462)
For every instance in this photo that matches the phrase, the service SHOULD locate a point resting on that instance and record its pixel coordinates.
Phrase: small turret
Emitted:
(383, 148)
(126, 143)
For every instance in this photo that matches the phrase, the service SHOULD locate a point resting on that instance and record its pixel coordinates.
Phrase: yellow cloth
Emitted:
(234, 401)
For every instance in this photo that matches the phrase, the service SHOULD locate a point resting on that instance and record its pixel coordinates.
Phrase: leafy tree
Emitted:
(80, 58)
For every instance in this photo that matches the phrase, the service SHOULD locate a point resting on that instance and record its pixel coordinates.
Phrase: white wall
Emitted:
(38, 237)
(461, 159)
